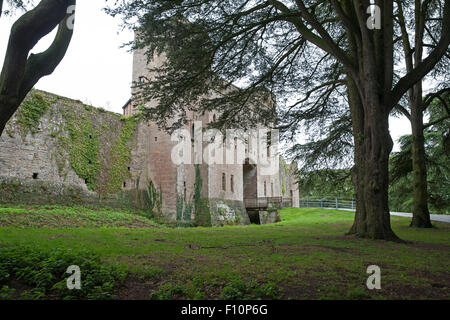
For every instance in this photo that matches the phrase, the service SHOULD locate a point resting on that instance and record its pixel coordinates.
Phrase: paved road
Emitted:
(433, 217)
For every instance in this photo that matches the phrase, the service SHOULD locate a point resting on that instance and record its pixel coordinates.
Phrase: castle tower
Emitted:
(225, 186)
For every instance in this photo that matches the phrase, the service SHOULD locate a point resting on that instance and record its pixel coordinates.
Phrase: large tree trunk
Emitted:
(421, 215)
(373, 145)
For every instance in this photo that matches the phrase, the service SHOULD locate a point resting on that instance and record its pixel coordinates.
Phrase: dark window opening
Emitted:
(35, 176)
(90, 135)
(254, 216)
(156, 139)
(129, 168)
(265, 189)
(232, 183)
(124, 184)
(224, 183)
(86, 181)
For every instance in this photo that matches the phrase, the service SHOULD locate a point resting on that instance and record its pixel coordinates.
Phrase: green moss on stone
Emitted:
(82, 145)
(202, 211)
(31, 112)
(120, 156)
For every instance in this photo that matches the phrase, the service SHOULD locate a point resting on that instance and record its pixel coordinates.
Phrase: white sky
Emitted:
(95, 69)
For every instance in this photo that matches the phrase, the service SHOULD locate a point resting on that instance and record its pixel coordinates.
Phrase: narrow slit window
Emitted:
(224, 183)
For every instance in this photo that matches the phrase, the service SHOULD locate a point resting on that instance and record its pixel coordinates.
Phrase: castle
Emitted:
(57, 150)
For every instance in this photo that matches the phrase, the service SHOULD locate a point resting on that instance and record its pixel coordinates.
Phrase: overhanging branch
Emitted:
(43, 64)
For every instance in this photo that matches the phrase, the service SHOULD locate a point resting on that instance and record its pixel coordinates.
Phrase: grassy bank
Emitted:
(306, 256)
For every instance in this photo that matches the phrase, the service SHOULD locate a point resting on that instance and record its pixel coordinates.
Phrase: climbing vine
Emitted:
(202, 213)
(31, 112)
(120, 155)
(87, 158)
(82, 145)
(151, 199)
(286, 173)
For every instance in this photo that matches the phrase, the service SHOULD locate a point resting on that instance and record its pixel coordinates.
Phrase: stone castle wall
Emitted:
(57, 150)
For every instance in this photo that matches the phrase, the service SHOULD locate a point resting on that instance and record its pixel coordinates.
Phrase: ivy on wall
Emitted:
(151, 199)
(82, 146)
(286, 173)
(88, 158)
(120, 155)
(30, 113)
(202, 212)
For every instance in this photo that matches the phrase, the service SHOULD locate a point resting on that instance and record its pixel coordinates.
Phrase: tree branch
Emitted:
(427, 64)
(43, 64)
(25, 33)
(403, 110)
(432, 123)
(327, 45)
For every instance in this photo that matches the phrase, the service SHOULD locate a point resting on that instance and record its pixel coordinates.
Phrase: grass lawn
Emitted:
(306, 256)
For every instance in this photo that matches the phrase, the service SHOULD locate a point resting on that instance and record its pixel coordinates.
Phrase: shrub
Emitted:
(45, 272)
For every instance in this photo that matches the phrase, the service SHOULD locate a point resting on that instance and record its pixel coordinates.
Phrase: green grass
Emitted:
(58, 216)
(306, 256)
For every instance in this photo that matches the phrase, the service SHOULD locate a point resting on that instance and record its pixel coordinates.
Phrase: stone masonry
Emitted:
(73, 153)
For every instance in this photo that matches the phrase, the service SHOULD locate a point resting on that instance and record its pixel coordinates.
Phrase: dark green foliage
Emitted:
(438, 172)
(152, 199)
(437, 159)
(179, 207)
(45, 273)
(326, 183)
(168, 291)
(202, 211)
(237, 289)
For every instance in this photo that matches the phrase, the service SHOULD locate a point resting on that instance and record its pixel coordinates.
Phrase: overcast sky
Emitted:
(95, 69)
